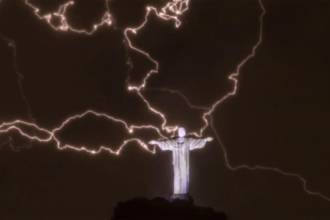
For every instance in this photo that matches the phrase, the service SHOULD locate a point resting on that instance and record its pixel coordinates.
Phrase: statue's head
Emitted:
(181, 132)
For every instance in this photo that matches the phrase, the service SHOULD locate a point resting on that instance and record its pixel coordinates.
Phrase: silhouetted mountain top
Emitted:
(162, 209)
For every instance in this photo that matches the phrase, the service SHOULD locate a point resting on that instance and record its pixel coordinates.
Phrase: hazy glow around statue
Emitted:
(180, 147)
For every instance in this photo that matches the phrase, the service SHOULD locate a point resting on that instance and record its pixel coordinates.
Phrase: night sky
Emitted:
(280, 118)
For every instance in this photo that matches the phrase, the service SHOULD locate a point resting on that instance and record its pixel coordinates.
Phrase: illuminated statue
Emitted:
(180, 148)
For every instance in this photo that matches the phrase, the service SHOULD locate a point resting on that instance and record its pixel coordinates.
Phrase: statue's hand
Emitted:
(153, 142)
(209, 139)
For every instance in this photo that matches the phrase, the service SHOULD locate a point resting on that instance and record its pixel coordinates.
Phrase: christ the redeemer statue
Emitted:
(180, 147)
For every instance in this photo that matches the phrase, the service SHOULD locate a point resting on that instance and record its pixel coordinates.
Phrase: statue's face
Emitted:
(182, 132)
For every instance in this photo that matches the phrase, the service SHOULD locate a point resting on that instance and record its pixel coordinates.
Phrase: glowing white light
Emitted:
(63, 24)
(181, 148)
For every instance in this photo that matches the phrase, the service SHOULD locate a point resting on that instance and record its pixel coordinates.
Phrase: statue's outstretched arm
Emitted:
(198, 143)
(163, 145)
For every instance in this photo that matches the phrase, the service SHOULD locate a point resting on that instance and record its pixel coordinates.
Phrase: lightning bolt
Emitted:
(209, 112)
(182, 96)
(209, 122)
(64, 25)
(20, 77)
(46, 135)
(172, 11)
(231, 167)
(234, 77)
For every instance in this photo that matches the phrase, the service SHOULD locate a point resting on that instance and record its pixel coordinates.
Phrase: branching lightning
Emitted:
(182, 96)
(210, 123)
(46, 135)
(233, 77)
(63, 24)
(172, 11)
(231, 167)
(20, 77)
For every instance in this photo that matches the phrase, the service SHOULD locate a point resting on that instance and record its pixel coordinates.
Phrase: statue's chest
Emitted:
(181, 147)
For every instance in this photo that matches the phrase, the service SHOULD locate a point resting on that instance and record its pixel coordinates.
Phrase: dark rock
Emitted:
(162, 209)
